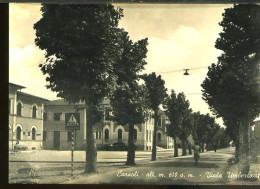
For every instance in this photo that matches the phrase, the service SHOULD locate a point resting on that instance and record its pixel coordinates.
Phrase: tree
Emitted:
(80, 44)
(203, 129)
(126, 99)
(186, 130)
(179, 113)
(185, 126)
(172, 111)
(155, 96)
(128, 111)
(232, 130)
(230, 86)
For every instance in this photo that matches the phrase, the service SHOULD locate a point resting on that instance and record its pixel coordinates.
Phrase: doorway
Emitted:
(56, 140)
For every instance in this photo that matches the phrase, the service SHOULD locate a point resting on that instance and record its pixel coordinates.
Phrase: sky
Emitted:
(180, 36)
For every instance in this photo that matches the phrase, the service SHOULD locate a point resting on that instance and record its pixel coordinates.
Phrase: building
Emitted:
(107, 132)
(39, 123)
(163, 140)
(25, 118)
(55, 137)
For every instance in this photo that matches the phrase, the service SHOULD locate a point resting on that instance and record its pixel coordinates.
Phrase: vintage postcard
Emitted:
(134, 93)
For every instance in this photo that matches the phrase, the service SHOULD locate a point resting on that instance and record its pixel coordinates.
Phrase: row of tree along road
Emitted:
(88, 57)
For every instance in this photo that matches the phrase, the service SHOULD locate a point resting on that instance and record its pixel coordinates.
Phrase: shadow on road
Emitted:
(187, 164)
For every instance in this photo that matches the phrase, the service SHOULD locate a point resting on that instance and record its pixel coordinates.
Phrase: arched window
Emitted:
(34, 112)
(18, 133)
(106, 134)
(19, 109)
(33, 133)
(135, 134)
(159, 137)
(119, 134)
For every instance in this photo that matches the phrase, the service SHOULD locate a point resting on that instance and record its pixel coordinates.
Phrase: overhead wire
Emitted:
(172, 71)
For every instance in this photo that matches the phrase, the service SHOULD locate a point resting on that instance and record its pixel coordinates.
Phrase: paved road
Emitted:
(79, 156)
(211, 169)
(47, 163)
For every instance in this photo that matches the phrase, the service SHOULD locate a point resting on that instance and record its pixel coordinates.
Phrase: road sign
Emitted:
(72, 121)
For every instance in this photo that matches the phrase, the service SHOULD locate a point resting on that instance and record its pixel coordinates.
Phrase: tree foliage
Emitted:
(230, 88)
(126, 98)
(179, 113)
(154, 96)
(80, 44)
(204, 129)
(82, 49)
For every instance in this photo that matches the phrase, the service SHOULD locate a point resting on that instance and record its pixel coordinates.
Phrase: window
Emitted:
(34, 112)
(44, 136)
(18, 133)
(146, 135)
(19, 109)
(163, 122)
(119, 134)
(96, 134)
(135, 134)
(159, 137)
(107, 116)
(69, 136)
(99, 134)
(159, 122)
(56, 116)
(33, 133)
(106, 134)
(45, 116)
(150, 135)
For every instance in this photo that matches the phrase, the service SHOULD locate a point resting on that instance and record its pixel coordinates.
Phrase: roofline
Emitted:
(32, 96)
(64, 104)
(20, 86)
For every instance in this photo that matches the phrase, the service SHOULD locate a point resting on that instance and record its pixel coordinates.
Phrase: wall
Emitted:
(50, 125)
(25, 121)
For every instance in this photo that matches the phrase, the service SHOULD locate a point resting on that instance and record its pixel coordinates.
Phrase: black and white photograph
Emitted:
(134, 93)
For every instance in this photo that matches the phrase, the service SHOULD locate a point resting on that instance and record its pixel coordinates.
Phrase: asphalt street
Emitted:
(47, 163)
(80, 156)
(211, 169)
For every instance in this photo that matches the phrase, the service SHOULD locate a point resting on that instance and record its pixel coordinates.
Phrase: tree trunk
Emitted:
(154, 136)
(189, 146)
(175, 147)
(91, 152)
(194, 131)
(237, 151)
(183, 145)
(131, 147)
(243, 164)
(253, 149)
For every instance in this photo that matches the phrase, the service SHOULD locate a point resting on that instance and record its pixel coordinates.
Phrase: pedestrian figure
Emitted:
(196, 149)
(215, 147)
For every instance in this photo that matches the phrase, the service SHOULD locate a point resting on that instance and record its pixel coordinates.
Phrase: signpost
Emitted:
(72, 123)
